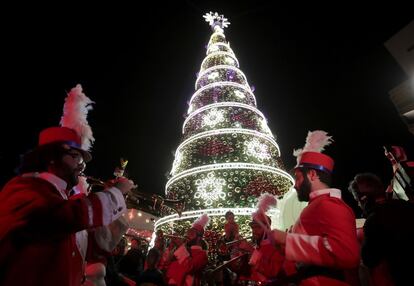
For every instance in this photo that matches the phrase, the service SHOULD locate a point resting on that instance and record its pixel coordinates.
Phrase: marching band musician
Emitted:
(159, 241)
(42, 229)
(265, 259)
(190, 257)
(323, 242)
(168, 254)
(226, 249)
(229, 241)
(231, 228)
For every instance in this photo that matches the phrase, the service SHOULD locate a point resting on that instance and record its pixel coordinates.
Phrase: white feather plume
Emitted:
(316, 141)
(264, 203)
(203, 220)
(75, 112)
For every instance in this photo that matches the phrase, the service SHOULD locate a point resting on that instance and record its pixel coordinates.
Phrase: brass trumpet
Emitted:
(94, 181)
(140, 200)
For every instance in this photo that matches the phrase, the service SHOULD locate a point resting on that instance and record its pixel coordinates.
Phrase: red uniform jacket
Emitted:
(324, 235)
(38, 232)
(186, 270)
(265, 262)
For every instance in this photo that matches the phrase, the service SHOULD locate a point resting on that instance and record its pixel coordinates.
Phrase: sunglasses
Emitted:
(76, 156)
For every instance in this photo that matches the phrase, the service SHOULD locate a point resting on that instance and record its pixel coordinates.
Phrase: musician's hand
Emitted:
(245, 246)
(125, 185)
(278, 236)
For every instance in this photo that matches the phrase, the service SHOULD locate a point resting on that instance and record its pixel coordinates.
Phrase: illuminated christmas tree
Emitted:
(228, 155)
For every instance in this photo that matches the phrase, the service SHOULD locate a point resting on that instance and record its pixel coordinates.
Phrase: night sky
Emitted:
(310, 69)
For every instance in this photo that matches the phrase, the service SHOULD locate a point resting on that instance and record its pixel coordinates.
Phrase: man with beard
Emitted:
(190, 257)
(323, 242)
(39, 224)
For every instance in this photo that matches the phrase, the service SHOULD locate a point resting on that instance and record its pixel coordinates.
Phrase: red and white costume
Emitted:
(186, 270)
(42, 241)
(324, 235)
(265, 262)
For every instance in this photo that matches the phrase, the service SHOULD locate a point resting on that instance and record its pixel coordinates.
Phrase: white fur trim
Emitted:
(113, 204)
(335, 193)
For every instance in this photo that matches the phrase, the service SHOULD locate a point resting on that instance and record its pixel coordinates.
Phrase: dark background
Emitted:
(312, 68)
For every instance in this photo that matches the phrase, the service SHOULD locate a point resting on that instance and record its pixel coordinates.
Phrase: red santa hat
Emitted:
(311, 157)
(200, 224)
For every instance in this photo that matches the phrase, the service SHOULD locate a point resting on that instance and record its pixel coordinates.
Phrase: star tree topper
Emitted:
(214, 19)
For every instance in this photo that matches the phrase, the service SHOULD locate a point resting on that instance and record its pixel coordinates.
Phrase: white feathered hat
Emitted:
(74, 130)
(310, 156)
(264, 203)
(200, 224)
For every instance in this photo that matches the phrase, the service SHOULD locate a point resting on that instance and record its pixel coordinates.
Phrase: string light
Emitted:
(257, 149)
(211, 212)
(177, 161)
(265, 127)
(224, 104)
(229, 131)
(218, 53)
(221, 67)
(213, 117)
(224, 84)
(214, 47)
(213, 75)
(239, 94)
(207, 168)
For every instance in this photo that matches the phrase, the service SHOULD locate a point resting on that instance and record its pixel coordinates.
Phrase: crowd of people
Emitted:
(53, 233)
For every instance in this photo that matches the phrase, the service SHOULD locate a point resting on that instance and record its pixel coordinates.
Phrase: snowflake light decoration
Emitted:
(213, 75)
(257, 149)
(210, 189)
(229, 61)
(213, 117)
(239, 94)
(214, 19)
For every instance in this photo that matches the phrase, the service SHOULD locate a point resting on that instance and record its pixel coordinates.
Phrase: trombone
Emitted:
(238, 240)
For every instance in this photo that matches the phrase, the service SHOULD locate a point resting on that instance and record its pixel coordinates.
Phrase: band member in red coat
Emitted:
(41, 238)
(323, 242)
(265, 258)
(190, 257)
